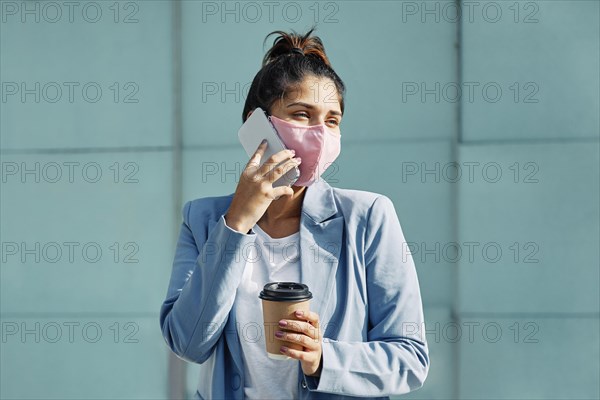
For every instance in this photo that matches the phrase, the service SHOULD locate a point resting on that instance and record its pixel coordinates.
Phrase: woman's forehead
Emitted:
(320, 92)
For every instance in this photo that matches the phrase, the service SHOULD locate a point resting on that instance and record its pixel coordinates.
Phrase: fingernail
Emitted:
(263, 141)
(279, 334)
(283, 349)
(293, 151)
(298, 160)
(282, 323)
(299, 313)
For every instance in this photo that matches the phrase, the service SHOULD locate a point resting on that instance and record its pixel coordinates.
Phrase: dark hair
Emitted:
(284, 67)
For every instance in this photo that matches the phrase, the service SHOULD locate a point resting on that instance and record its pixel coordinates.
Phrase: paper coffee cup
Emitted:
(280, 300)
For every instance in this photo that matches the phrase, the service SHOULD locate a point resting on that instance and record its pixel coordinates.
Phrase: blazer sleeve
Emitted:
(204, 279)
(395, 358)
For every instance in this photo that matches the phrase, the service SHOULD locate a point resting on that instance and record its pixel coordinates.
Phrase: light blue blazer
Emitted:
(364, 285)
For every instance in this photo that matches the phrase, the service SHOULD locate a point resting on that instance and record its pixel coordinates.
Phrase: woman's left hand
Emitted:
(308, 336)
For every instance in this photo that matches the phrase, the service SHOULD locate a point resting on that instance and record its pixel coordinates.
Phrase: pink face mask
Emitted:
(317, 145)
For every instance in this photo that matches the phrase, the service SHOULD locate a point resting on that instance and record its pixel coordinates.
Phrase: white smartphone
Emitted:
(258, 127)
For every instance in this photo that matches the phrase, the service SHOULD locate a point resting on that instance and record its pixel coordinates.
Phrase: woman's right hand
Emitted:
(255, 191)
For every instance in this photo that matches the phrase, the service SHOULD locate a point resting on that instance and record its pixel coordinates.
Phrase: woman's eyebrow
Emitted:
(311, 107)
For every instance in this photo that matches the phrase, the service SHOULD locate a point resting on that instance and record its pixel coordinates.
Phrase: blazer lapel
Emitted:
(321, 233)
(211, 223)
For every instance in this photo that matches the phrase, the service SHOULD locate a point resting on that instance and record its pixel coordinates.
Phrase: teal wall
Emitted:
(507, 252)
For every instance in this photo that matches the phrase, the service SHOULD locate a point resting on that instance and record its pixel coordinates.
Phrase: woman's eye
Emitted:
(303, 114)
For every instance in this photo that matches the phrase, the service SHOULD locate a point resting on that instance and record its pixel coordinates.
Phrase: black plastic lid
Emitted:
(285, 291)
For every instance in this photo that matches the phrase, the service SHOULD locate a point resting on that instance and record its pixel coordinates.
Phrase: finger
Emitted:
(252, 166)
(301, 327)
(312, 317)
(299, 338)
(282, 191)
(274, 160)
(278, 171)
(258, 153)
(298, 354)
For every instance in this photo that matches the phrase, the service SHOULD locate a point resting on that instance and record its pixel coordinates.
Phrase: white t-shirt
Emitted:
(270, 260)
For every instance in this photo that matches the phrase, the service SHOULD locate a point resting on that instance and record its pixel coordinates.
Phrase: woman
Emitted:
(364, 335)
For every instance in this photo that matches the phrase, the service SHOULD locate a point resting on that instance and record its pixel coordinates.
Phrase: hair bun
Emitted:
(293, 43)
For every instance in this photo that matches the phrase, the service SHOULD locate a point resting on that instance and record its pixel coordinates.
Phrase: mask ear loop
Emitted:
(274, 129)
(269, 118)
